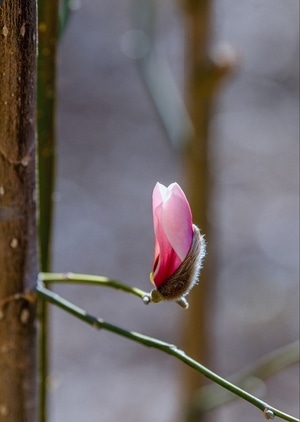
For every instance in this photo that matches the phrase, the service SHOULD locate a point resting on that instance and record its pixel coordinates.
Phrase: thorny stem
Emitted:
(47, 295)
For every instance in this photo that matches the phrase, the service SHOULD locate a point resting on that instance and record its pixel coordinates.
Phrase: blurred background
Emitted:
(112, 149)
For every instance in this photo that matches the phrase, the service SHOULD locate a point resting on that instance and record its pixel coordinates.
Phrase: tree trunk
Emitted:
(203, 75)
(18, 240)
(198, 98)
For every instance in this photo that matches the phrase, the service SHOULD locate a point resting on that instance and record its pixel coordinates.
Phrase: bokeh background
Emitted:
(112, 149)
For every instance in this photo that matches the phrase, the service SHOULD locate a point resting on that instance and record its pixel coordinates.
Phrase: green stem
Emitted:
(46, 90)
(211, 396)
(90, 279)
(168, 348)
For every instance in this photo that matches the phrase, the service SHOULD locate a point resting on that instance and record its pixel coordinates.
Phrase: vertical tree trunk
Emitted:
(18, 243)
(203, 77)
(198, 99)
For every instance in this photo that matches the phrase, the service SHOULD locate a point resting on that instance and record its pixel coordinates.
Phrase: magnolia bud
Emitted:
(179, 284)
(179, 247)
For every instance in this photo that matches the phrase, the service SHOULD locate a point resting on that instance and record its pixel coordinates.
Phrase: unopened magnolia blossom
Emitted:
(179, 246)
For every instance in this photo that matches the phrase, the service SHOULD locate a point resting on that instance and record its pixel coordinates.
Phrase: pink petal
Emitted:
(177, 221)
(173, 230)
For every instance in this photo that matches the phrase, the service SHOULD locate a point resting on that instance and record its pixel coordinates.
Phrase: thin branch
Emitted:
(95, 280)
(64, 15)
(211, 396)
(268, 411)
(157, 75)
(46, 101)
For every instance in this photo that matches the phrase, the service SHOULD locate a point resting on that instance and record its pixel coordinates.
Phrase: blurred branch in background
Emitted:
(156, 74)
(187, 128)
(203, 75)
(250, 378)
(64, 12)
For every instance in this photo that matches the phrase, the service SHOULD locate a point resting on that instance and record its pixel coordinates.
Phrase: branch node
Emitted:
(268, 413)
(146, 299)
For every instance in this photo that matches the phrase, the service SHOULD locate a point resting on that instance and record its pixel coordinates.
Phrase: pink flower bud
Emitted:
(179, 247)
